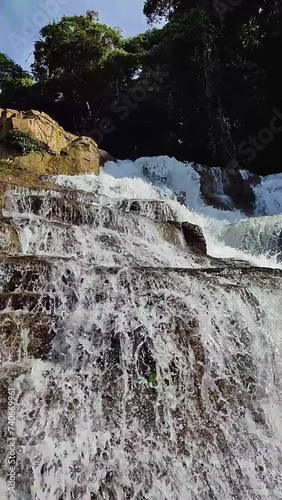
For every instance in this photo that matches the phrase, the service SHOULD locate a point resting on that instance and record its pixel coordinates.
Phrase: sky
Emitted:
(21, 20)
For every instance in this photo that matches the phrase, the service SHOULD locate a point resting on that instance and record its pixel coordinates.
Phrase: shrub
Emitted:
(23, 142)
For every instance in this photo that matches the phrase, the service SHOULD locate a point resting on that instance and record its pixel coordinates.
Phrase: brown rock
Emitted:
(65, 154)
(41, 126)
(9, 239)
(104, 156)
(84, 152)
(194, 238)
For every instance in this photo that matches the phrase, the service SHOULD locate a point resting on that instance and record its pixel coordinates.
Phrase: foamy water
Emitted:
(162, 178)
(163, 381)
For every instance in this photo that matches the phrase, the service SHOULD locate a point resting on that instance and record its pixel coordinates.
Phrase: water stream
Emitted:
(162, 375)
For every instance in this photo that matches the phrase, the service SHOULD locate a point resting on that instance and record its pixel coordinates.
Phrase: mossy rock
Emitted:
(28, 170)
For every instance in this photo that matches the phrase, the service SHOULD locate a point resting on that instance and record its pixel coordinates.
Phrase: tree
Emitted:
(83, 62)
(234, 74)
(15, 83)
(205, 80)
(73, 45)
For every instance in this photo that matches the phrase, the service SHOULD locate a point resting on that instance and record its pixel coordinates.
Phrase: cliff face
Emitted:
(59, 153)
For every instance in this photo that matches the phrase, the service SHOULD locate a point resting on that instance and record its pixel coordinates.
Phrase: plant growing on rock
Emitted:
(23, 142)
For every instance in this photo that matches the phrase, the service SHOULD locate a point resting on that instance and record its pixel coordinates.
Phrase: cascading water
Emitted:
(141, 370)
(259, 235)
(269, 195)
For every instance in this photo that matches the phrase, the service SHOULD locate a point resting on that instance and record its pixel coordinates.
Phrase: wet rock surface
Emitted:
(193, 236)
(9, 240)
(25, 336)
(118, 329)
(225, 188)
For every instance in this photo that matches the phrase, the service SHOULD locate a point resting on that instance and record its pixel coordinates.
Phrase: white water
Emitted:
(269, 195)
(161, 177)
(258, 235)
(160, 385)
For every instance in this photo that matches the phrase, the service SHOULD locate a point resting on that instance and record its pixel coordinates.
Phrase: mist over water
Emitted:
(164, 380)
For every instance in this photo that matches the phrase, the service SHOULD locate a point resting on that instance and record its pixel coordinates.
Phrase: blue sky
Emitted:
(21, 20)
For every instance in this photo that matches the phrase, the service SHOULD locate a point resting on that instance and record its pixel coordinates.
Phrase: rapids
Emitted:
(157, 374)
(161, 178)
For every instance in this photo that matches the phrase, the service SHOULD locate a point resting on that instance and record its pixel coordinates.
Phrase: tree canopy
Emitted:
(197, 87)
(14, 81)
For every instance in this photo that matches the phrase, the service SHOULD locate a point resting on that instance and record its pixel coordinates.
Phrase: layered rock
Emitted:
(38, 124)
(60, 151)
(225, 188)
(121, 337)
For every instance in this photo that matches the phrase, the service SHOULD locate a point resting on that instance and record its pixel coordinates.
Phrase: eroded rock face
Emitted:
(85, 153)
(65, 153)
(193, 236)
(9, 239)
(104, 156)
(161, 357)
(226, 189)
(39, 124)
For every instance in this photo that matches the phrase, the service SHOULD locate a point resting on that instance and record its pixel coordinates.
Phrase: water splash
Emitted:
(163, 381)
(161, 178)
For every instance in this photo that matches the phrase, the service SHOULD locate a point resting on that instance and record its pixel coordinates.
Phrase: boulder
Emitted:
(194, 238)
(40, 125)
(226, 188)
(61, 153)
(104, 156)
(84, 152)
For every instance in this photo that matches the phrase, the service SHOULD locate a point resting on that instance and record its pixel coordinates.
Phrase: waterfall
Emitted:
(269, 195)
(258, 235)
(141, 370)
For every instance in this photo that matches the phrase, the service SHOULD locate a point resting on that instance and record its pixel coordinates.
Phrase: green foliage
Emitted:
(84, 62)
(155, 9)
(210, 81)
(8, 68)
(23, 142)
(72, 46)
(15, 83)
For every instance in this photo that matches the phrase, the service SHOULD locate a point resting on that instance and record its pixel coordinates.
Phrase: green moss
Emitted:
(153, 380)
(23, 142)
(5, 167)
(150, 381)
